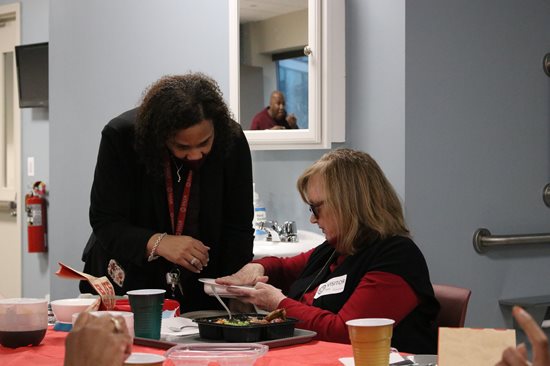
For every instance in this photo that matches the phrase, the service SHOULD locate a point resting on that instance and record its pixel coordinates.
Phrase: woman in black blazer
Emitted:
(171, 199)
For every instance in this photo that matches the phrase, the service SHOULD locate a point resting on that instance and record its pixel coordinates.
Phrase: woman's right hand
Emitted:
(97, 341)
(249, 275)
(185, 251)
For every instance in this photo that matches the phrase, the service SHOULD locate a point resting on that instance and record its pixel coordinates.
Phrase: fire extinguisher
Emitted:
(35, 206)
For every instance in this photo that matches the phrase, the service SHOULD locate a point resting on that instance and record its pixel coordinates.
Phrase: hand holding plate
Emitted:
(249, 275)
(263, 296)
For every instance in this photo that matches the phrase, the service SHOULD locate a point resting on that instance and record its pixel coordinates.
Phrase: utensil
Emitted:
(213, 288)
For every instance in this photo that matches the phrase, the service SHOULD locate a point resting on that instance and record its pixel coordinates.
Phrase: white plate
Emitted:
(137, 358)
(394, 358)
(190, 327)
(221, 290)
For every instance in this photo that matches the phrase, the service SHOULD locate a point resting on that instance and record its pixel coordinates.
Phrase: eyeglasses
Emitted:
(314, 209)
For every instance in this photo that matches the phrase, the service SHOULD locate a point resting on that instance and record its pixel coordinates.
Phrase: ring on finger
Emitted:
(193, 261)
(116, 322)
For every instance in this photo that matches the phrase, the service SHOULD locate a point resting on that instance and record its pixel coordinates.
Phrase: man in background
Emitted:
(275, 116)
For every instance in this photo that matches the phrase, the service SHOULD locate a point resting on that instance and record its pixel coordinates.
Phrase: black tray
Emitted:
(300, 336)
(209, 329)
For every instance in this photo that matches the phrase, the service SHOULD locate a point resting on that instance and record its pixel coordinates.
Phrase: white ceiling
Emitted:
(255, 10)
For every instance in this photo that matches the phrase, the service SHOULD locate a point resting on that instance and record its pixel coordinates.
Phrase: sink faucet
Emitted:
(285, 233)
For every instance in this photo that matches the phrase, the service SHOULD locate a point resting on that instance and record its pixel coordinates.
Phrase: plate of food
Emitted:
(211, 288)
(247, 327)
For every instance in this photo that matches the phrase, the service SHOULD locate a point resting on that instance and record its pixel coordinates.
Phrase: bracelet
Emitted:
(152, 256)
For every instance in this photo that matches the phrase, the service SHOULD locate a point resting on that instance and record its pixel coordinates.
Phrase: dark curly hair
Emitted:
(176, 102)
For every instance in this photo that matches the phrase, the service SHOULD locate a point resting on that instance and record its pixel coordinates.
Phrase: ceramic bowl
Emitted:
(65, 308)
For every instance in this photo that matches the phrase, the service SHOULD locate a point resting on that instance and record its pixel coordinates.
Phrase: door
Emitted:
(10, 156)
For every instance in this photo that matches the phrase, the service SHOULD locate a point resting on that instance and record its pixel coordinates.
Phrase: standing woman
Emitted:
(171, 199)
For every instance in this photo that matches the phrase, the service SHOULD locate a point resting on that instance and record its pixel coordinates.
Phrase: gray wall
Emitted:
(460, 124)
(447, 95)
(477, 143)
(102, 55)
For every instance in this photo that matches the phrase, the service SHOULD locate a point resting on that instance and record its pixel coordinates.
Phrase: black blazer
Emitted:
(128, 206)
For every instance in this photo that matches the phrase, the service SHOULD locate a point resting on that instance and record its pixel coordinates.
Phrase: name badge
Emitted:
(333, 286)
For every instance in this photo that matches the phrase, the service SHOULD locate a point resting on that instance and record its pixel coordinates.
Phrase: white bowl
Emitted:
(65, 308)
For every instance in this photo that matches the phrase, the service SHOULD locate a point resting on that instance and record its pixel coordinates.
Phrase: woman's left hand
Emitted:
(264, 296)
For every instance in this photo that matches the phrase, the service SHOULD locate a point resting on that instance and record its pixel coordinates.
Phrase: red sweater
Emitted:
(378, 295)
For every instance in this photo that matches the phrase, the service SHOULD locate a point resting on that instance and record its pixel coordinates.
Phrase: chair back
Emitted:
(454, 303)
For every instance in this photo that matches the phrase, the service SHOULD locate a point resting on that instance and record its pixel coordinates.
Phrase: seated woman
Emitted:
(368, 267)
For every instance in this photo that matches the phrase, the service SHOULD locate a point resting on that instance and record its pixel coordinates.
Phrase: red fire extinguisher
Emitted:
(35, 206)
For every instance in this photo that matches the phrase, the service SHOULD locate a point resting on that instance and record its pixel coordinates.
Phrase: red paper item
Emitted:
(102, 285)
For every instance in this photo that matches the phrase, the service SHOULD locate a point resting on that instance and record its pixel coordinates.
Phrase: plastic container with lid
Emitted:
(222, 354)
(23, 321)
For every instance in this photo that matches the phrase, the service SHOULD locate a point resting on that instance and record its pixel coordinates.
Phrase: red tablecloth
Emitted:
(51, 351)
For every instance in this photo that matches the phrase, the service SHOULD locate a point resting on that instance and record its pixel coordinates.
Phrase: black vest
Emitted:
(417, 332)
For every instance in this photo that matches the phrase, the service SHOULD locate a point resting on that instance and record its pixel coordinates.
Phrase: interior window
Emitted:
(292, 80)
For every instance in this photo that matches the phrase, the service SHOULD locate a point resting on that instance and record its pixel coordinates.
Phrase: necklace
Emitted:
(318, 274)
(178, 168)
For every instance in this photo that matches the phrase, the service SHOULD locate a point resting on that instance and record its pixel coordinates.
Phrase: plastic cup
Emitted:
(128, 318)
(147, 308)
(370, 340)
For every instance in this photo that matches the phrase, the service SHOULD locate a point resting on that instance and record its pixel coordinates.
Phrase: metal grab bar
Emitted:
(483, 240)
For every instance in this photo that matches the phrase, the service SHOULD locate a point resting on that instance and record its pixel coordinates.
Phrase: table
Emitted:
(52, 349)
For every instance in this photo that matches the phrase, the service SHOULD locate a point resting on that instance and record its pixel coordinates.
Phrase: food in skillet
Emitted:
(276, 316)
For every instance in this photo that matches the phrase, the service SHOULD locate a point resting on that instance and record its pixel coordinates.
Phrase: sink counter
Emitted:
(306, 241)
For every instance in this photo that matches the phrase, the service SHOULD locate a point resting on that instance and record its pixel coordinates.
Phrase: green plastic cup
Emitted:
(147, 305)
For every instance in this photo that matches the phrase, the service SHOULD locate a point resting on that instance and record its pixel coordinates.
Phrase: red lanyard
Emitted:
(170, 194)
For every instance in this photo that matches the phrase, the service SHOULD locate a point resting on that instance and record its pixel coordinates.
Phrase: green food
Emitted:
(236, 322)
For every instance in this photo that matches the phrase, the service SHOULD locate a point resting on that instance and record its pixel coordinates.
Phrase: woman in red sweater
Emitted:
(368, 267)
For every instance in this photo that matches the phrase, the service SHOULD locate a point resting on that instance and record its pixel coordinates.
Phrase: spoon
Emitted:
(220, 300)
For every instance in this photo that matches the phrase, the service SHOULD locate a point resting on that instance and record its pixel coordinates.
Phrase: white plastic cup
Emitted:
(128, 318)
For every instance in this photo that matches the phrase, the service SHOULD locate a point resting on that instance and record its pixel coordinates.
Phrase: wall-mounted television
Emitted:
(32, 74)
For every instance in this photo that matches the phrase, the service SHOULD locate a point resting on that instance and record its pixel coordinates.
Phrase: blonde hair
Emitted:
(360, 196)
